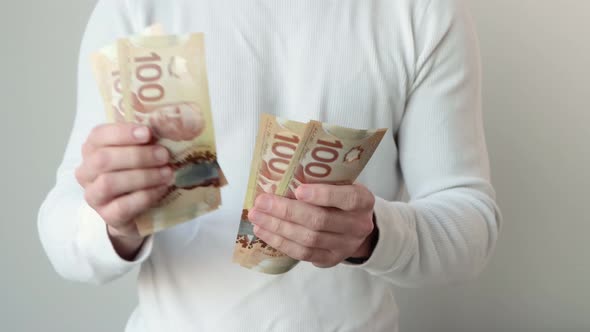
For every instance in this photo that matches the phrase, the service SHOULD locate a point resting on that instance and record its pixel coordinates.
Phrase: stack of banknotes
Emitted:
(288, 154)
(161, 82)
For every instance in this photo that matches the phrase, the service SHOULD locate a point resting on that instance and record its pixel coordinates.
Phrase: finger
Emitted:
(307, 215)
(82, 176)
(121, 211)
(119, 134)
(347, 197)
(296, 233)
(326, 265)
(111, 185)
(110, 159)
(293, 249)
(128, 230)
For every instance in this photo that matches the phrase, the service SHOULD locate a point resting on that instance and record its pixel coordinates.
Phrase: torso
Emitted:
(343, 62)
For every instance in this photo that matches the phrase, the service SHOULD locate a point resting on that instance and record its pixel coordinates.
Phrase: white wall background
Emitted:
(536, 56)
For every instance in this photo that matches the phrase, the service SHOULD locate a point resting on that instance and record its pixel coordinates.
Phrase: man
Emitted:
(409, 65)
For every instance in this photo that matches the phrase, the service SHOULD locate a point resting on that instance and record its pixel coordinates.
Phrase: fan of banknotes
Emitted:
(161, 81)
(288, 154)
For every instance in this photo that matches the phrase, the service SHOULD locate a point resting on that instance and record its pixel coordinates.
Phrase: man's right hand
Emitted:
(123, 174)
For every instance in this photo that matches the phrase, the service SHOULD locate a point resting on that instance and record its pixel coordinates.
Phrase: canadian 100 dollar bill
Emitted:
(105, 65)
(326, 154)
(330, 155)
(276, 144)
(164, 86)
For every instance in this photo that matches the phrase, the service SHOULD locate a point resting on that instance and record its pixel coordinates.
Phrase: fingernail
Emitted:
(304, 193)
(166, 172)
(161, 154)
(141, 134)
(264, 203)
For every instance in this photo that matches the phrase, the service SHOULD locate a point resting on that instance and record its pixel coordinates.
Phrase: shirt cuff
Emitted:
(93, 239)
(396, 240)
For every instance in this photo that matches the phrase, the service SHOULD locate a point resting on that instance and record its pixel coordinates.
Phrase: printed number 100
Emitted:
(324, 154)
(148, 73)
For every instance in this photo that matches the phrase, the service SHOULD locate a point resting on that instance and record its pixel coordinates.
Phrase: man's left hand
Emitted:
(325, 225)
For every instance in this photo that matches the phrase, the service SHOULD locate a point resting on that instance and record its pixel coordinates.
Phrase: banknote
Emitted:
(276, 143)
(331, 155)
(105, 65)
(164, 86)
(326, 154)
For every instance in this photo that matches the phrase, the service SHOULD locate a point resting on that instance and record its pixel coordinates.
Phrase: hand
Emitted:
(325, 225)
(123, 175)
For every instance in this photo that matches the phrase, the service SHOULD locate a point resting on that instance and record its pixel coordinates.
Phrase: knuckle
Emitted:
(275, 225)
(96, 131)
(370, 202)
(106, 216)
(304, 254)
(326, 264)
(365, 197)
(287, 210)
(79, 176)
(104, 185)
(331, 196)
(100, 160)
(85, 148)
(279, 243)
(368, 227)
(311, 239)
(105, 212)
(353, 200)
(89, 198)
(319, 220)
(331, 263)
(94, 197)
(119, 211)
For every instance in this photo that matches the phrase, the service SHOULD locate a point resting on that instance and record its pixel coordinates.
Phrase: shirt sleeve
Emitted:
(448, 229)
(73, 235)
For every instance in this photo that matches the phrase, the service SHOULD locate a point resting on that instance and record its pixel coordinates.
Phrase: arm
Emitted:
(449, 228)
(73, 235)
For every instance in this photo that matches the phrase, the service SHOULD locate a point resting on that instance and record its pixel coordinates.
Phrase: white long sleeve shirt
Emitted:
(409, 65)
